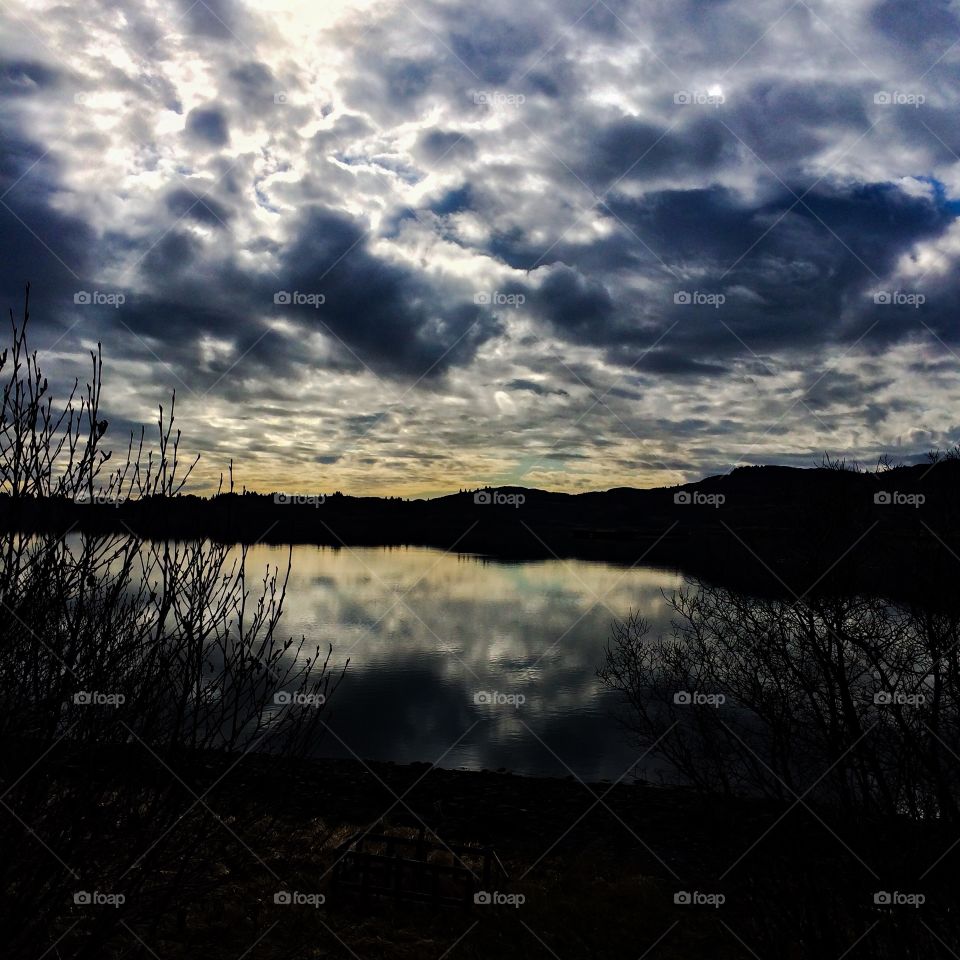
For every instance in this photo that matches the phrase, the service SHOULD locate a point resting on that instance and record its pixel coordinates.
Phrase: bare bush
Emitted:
(121, 661)
(852, 702)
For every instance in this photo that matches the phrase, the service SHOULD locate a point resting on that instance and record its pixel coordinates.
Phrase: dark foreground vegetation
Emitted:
(851, 701)
(154, 651)
(596, 870)
(156, 799)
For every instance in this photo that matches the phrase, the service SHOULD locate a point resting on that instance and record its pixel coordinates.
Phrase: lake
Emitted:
(466, 662)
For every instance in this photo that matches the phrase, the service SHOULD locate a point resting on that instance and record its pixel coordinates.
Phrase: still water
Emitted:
(466, 662)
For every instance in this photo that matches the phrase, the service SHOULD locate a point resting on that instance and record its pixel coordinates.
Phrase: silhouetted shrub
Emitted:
(121, 663)
(851, 702)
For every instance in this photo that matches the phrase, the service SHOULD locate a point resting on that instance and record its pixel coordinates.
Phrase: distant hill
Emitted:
(764, 517)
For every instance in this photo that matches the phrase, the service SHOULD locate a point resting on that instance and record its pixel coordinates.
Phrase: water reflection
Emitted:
(426, 632)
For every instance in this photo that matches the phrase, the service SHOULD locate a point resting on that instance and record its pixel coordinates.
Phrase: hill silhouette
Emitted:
(767, 521)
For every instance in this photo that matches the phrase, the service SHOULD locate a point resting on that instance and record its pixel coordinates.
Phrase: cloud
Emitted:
(438, 146)
(388, 316)
(645, 240)
(208, 125)
(218, 19)
(184, 203)
(538, 388)
(26, 77)
(42, 243)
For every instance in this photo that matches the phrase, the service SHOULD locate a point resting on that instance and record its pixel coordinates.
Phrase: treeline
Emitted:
(752, 527)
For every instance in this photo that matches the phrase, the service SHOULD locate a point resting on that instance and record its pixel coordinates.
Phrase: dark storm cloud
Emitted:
(208, 125)
(576, 307)
(253, 78)
(391, 86)
(491, 47)
(824, 391)
(41, 244)
(389, 315)
(632, 149)
(171, 254)
(917, 22)
(454, 201)
(26, 77)
(670, 363)
(375, 315)
(446, 145)
(709, 224)
(937, 126)
(817, 110)
(184, 204)
(252, 90)
(538, 388)
(793, 273)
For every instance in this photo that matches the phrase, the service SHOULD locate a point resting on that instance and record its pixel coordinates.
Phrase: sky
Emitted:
(411, 247)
